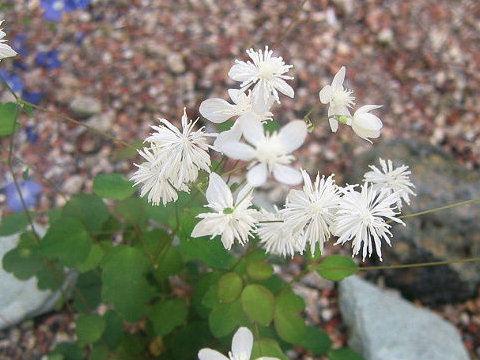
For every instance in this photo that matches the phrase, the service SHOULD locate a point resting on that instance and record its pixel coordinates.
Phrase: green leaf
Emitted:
(124, 282)
(99, 352)
(211, 252)
(24, 261)
(67, 241)
(167, 315)
(330, 268)
(89, 328)
(187, 340)
(269, 348)
(8, 117)
(271, 126)
(93, 258)
(258, 303)
(229, 287)
(88, 292)
(112, 186)
(344, 354)
(259, 269)
(201, 288)
(51, 277)
(289, 324)
(316, 341)
(90, 210)
(68, 351)
(14, 223)
(133, 211)
(113, 329)
(225, 318)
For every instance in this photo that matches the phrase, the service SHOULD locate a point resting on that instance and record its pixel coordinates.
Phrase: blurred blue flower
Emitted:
(18, 44)
(32, 135)
(14, 81)
(55, 8)
(30, 190)
(48, 59)
(33, 97)
(79, 37)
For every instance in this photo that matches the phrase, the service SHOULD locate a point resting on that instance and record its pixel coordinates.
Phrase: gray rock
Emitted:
(21, 299)
(383, 326)
(85, 106)
(444, 235)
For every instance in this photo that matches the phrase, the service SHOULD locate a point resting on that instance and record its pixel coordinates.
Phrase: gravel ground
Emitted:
(137, 60)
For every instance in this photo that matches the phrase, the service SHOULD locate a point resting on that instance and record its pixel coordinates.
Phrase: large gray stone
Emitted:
(20, 300)
(383, 326)
(444, 235)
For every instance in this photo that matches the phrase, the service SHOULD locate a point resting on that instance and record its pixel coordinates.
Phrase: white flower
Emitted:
(361, 218)
(231, 221)
(183, 153)
(275, 235)
(242, 345)
(269, 153)
(311, 211)
(5, 50)
(151, 175)
(394, 180)
(218, 111)
(366, 125)
(339, 98)
(266, 73)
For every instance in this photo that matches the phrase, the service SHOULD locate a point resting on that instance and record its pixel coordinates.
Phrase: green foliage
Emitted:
(230, 287)
(24, 261)
(259, 269)
(344, 354)
(14, 223)
(267, 347)
(124, 282)
(316, 341)
(112, 186)
(258, 303)
(288, 322)
(88, 292)
(89, 328)
(331, 267)
(211, 252)
(225, 318)
(8, 118)
(90, 210)
(167, 315)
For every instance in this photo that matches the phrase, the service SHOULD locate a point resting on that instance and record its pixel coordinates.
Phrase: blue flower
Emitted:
(53, 9)
(72, 5)
(30, 190)
(18, 44)
(33, 97)
(14, 81)
(48, 60)
(32, 135)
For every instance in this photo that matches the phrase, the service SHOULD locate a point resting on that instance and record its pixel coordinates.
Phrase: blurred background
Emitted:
(118, 65)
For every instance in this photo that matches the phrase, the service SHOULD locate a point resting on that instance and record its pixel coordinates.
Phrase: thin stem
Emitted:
(445, 207)
(76, 122)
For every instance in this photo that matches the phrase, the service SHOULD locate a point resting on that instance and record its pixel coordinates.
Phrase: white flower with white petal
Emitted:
(266, 73)
(151, 175)
(366, 125)
(275, 235)
(269, 153)
(338, 98)
(311, 211)
(5, 50)
(362, 217)
(232, 221)
(182, 153)
(242, 345)
(218, 111)
(395, 180)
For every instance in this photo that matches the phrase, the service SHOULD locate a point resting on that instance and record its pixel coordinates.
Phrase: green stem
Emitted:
(445, 207)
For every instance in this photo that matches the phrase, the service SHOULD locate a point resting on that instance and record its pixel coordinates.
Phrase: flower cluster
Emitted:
(54, 9)
(5, 50)
(172, 160)
(311, 215)
(340, 100)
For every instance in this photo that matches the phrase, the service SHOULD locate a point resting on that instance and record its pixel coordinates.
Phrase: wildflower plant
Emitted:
(187, 265)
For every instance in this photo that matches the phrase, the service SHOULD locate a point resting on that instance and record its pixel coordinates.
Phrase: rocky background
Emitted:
(120, 64)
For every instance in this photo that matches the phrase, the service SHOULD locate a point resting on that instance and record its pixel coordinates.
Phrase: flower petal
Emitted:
(293, 135)
(287, 175)
(235, 95)
(242, 71)
(257, 175)
(367, 108)
(338, 79)
(282, 86)
(209, 354)
(238, 150)
(252, 128)
(216, 110)
(261, 97)
(333, 124)
(234, 134)
(326, 94)
(242, 343)
(218, 192)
